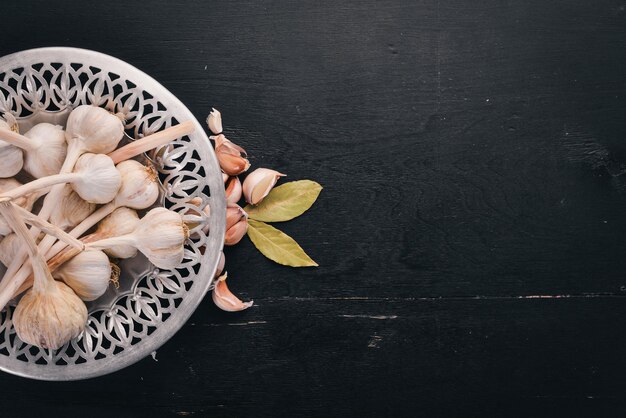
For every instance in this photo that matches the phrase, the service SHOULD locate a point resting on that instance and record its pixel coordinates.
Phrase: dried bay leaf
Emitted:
(285, 202)
(277, 245)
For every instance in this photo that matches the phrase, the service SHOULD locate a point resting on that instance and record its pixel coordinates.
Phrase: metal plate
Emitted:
(128, 323)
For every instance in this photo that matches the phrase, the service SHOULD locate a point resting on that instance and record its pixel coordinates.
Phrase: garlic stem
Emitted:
(149, 142)
(38, 184)
(16, 139)
(48, 228)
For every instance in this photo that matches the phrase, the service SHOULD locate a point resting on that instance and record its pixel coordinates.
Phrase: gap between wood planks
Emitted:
(443, 298)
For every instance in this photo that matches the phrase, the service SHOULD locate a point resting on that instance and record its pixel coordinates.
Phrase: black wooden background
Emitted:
(471, 234)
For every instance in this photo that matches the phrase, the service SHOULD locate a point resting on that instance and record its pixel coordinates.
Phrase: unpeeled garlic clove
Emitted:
(236, 224)
(214, 121)
(233, 191)
(232, 158)
(259, 183)
(9, 247)
(225, 300)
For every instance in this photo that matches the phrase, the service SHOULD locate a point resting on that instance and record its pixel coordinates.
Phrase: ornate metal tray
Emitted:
(126, 324)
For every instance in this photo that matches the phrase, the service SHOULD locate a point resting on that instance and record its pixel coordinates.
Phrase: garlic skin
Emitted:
(72, 209)
(88, 274)
(233, 191)
(121, 221)
(9, 246)
(214, 121)
(140, 188)
(224, 298)
(236, 224)
(232, 158)
(50, 319)
(12, 157)
(103, 181)
(48, 156)
(259, 183)
(97, 130)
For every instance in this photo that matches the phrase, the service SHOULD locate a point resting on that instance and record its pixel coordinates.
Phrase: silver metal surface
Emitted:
(129, 323)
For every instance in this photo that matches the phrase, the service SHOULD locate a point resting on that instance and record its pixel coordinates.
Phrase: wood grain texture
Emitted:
(471, 228)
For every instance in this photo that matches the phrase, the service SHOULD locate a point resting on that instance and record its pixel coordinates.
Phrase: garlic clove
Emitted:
(47, 159)
(224, 298)
(233, 190)
(88, 274)
(236, 225)
(259, 183)
(50, 319)
(225, 177)
(9, 247)
(214, 121)
(232, 157)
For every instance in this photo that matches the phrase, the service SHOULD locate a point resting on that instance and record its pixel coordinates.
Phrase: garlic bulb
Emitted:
(95, 179)
(92, 129)
(160, 235)
(224, 298)
(232, 158)
(88, 274)
(12, 157)
(140, 188)
(259, 183)
(72, 209)
(236, 224)
(50, 314)
(9, 246)
(48, 154)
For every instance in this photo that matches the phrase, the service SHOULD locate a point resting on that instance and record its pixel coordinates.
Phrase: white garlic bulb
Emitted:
(12, 157)
(88, 274)
(140, 188)
(72, 209)
(93, 129)
(160, 235)
(48, 154)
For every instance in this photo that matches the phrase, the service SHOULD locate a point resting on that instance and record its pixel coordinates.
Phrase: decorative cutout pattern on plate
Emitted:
(152, 304)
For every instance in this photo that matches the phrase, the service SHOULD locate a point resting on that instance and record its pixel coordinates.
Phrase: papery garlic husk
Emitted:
(224, 298)
(72, 209)
(103, 182)
(140, 188)
(88, 274)
(98, 130)
(259, 183)
(232, 158)
(47, 159)
(11, 157)
(121, 221)
(236, 224)
(50, 319)
(233, 190)
(214, 121)
(9, 246)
